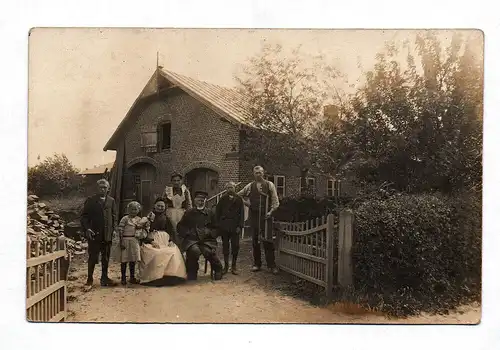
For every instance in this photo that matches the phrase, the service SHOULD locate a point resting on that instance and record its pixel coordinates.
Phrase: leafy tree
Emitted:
(285, 98)
(54, 176)
(418, 124)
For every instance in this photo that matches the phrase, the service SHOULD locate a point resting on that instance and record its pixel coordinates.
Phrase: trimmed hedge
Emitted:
(307, 208)
(414, 253)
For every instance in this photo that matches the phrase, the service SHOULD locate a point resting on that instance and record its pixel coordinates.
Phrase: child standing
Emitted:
(129, 229)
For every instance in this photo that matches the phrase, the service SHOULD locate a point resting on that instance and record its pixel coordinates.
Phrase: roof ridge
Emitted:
(233, 89)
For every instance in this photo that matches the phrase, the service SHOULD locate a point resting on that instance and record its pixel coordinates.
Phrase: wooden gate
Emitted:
(307, 249)
(46, 271)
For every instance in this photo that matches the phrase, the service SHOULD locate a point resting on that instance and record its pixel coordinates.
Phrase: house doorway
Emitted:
(144, 177)
(203, 179)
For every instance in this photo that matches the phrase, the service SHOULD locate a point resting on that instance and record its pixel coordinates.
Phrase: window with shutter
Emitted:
(149, 141)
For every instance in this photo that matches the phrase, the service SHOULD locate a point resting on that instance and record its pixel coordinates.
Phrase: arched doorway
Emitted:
(203, 179)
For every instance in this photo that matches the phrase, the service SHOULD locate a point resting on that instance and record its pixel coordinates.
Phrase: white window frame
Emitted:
(276, 177)
(274, 180)
(330, 188)
(335, 192)
(307, 184)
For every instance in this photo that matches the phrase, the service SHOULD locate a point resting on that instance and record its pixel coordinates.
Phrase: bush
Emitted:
(307, 208)
(55, 176)
(414, 253)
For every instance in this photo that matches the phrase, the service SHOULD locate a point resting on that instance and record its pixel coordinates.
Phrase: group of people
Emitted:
(178, 224)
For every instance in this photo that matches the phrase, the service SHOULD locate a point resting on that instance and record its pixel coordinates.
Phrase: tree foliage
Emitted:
(285, 97)
(417, 125)
(54, 176)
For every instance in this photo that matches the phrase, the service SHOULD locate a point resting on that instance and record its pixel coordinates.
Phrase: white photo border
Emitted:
(17, 17)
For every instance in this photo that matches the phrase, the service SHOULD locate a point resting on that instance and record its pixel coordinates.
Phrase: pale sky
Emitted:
(83, 81)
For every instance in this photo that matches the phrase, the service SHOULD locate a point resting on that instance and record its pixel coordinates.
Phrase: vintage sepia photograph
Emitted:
(255, 176)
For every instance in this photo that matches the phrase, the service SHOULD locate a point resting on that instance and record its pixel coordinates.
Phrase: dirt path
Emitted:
(247, 298)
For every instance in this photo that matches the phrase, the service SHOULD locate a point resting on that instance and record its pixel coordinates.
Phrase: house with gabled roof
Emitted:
(182, 125)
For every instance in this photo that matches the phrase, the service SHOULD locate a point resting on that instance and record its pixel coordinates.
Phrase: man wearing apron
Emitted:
(262, 199)
(178, 200)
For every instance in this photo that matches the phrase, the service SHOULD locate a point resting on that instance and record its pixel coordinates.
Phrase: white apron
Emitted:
(165, 261)
(175, 213)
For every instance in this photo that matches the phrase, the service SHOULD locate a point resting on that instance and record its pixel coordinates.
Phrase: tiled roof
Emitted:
(97, 170)
(228, 101)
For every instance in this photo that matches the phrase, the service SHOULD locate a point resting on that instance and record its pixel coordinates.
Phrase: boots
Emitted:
(192, 276)
(234, 270)
(123, 267)
(217, 270)
(133, 280)
(90, 277)
(105, 280)
(226, 265)
(192, 267)
(217, 274)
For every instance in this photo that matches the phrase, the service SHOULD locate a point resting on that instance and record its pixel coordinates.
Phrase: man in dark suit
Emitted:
(198, 236)
(98, 220)
(230, 217)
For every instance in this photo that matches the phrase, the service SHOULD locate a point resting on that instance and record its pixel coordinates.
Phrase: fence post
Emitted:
(345, 245)
(277, 243)
(329, 256)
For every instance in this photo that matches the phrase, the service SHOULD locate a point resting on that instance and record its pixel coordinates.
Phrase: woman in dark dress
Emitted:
(161, 260)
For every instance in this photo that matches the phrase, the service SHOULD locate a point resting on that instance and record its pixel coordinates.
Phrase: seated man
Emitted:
(198, 236)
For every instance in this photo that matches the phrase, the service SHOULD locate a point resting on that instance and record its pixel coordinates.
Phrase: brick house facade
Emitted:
(181, 125)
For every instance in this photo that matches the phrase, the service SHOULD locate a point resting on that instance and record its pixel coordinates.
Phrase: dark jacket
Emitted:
(161, 223)
(230, 213)
(100, 217)
(197, 227)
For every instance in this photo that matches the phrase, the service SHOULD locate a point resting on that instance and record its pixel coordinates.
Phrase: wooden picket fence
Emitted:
(46, 271)
(312, 249)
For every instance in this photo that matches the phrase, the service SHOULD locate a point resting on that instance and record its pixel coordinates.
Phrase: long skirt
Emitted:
(165, 261)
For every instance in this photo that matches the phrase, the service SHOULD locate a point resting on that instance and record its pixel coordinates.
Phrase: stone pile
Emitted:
(44, 225)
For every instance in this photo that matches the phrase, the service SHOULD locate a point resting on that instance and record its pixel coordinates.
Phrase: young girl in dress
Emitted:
(131, 230)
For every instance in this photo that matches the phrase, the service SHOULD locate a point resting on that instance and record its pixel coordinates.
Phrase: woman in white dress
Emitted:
(161, 260)
(178, 200)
